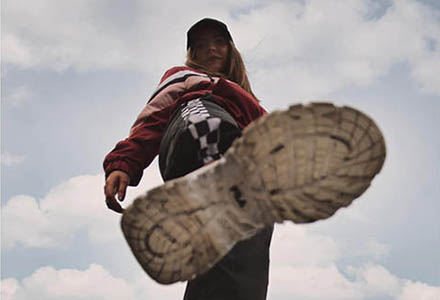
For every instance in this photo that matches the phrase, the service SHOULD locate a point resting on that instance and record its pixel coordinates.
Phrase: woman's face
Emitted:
(211, 49)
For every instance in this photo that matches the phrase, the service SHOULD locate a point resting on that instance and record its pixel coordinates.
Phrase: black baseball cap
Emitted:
(206, 22)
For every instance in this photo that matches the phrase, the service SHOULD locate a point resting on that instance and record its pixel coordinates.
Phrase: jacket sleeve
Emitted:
(240, 103)
(133, 154)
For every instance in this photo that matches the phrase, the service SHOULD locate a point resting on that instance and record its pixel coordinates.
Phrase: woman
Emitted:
(302, 164)
(190, 121)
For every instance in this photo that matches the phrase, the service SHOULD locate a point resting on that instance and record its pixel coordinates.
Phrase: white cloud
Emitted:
(303, 266)
(288, 282)
(426, 72)
(36, 42)
(67, 208)
(329, 282)
(18, 97)
(98, 35)
(25, 223)
(94, 283)
(67, 284)
(9, 288)
(375, 281)
(419, 291)
(9, 159)
(330, 45)
(311, 282)
(294, 245)
(314, 47)
(15, 51)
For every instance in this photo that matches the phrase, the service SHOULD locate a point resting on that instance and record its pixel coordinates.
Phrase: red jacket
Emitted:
(179, 85)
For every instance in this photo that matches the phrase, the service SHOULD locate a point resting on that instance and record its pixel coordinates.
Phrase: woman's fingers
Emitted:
(109, 188)
(116, 182)
(113, 204)
(123, 183)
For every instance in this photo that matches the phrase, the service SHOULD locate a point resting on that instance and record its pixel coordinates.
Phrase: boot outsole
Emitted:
(301, 164)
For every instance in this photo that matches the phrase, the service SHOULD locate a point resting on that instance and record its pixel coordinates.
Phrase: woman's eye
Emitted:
(199, 45)
(220, 41)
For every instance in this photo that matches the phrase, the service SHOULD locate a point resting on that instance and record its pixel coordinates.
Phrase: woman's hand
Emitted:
(116, 182)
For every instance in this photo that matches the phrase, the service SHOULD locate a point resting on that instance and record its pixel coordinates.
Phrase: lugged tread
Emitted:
(302, 165)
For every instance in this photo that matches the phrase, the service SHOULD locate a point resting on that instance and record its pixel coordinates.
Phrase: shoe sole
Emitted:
(302, 165)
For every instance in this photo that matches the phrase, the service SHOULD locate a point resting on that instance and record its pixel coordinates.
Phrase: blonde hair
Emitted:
(234, 70)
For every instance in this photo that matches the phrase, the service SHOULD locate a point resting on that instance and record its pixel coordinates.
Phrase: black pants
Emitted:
(198, 133)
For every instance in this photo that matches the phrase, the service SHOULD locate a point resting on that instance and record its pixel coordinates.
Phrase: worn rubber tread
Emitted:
(301, 164)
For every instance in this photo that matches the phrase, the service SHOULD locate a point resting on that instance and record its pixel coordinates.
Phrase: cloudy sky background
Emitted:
(76, 73)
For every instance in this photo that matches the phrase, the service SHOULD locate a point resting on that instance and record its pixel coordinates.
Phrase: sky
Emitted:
(75, 74)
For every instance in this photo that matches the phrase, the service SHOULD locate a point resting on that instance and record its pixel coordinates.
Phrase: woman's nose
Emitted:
(212, 46)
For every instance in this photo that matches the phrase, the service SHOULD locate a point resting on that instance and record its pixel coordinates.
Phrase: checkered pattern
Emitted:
(204, 128)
